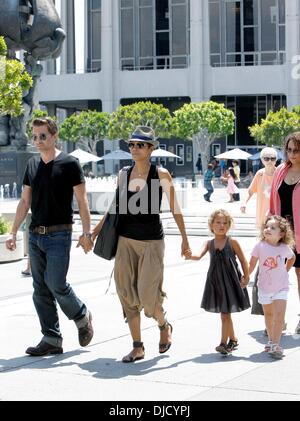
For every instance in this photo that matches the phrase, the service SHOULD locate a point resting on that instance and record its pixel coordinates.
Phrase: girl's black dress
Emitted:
(223, 292)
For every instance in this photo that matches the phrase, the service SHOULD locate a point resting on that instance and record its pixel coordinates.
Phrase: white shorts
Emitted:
(269, 297)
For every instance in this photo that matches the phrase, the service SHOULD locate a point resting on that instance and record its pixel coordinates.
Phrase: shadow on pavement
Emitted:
(288, 341)
(26, 361)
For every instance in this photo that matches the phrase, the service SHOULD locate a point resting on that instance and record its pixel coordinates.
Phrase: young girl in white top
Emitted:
(275, 258)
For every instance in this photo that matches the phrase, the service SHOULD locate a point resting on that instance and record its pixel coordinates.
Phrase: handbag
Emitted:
(256, 308)
(107, 240)
(236, 197)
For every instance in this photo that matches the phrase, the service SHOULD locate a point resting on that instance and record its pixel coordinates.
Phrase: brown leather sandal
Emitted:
(165, 347)
(129, 358)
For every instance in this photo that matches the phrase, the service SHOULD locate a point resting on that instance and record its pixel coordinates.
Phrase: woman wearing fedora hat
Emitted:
(139, 258)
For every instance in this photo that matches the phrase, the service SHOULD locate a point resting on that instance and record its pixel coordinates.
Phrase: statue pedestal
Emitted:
(12, 167)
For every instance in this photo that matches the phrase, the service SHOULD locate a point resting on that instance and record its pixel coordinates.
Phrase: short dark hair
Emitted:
(46, 121)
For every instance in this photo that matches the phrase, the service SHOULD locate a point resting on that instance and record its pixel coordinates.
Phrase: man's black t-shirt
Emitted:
(52, 189)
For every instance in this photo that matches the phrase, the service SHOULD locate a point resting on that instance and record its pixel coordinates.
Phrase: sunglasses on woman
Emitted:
(139, 145)
(269, 158)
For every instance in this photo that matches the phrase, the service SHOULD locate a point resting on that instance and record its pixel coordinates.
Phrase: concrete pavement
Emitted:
(191, 370)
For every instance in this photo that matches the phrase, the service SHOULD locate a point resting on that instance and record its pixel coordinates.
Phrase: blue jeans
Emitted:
(49, 257)
(209, 187)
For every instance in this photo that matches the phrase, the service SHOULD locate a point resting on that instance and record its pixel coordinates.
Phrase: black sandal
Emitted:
(232, 345)
(129, 358)
(166, 346)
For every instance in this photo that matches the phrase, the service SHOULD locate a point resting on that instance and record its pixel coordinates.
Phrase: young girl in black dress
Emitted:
(225, 289)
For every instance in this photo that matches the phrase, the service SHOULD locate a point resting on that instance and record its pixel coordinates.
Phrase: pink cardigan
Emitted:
(275, 204)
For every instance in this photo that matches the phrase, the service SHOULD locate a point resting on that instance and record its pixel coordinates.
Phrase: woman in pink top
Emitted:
(261, 185)
(275, 258)
(285, 194)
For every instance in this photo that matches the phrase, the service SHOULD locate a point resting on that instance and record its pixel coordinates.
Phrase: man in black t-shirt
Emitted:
(48, 186)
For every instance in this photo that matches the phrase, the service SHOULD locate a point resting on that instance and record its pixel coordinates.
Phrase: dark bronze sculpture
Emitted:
(33, 26)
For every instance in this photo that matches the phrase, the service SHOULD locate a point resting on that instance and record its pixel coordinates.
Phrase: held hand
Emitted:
(86, 243)
(188, 255)
(10, 243)
(243, 209)
(244, 281)
(185, 248)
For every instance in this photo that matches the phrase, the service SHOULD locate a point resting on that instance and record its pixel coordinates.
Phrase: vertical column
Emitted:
(196, 51)
(68, 22)
(292, 25)
(199, 53)
(107, 67)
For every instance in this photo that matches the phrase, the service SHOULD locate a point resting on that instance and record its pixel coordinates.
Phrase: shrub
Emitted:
(4, 226)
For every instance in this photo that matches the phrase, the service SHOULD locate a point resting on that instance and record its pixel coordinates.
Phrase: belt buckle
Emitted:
(42, 230)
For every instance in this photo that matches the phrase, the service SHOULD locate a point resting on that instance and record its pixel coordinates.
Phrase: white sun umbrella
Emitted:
(118, 154)
(234, 154)
(162, 153)
(84, 156)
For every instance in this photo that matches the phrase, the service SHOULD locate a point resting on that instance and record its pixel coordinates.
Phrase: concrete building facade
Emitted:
(244, 53)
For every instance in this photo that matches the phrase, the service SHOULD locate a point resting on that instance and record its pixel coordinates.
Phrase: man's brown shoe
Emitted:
(86, 333)
(43, 348)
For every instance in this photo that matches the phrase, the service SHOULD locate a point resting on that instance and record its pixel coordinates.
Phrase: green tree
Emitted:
(37, 113)
(275, 127)
(85, 129)
(203, 123)
(14, 81)
(126, 117)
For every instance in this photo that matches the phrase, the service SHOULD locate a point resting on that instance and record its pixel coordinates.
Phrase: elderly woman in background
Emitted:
(261, 186)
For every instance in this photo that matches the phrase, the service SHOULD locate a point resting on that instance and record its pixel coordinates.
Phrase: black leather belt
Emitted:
(53, 228)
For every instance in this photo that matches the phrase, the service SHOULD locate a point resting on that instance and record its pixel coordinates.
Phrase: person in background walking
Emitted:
(225, 289)
(237, 172)
(199, 164)
(285, 195)
(232, 188)
(49, 183)
(275, 258)
(208, 185)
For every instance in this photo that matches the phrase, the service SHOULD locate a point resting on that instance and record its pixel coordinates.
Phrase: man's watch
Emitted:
(87, 235)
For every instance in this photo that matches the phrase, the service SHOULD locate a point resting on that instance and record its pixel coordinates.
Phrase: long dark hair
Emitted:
(231, 172)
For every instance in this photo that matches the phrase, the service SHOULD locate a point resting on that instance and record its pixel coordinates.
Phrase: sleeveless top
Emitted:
(285, 192)
(140, 219)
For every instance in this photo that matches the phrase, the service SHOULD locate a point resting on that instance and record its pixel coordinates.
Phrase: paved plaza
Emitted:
(190, 371)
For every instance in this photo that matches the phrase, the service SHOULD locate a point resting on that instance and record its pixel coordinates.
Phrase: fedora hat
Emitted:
(143, 134)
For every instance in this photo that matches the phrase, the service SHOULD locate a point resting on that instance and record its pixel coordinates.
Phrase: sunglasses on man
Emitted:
(139, 145)
(41, 136)
(269, 158)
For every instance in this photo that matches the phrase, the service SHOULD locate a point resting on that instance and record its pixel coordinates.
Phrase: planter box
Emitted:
(11, 256)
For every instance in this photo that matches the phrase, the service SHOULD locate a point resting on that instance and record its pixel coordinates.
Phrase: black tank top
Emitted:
(285, 192)
(140, 220)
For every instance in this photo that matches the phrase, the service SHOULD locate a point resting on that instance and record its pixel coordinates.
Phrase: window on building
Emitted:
(154, 34)
(180, 152)
(248, 111)
(247, 32)
(94, 36)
